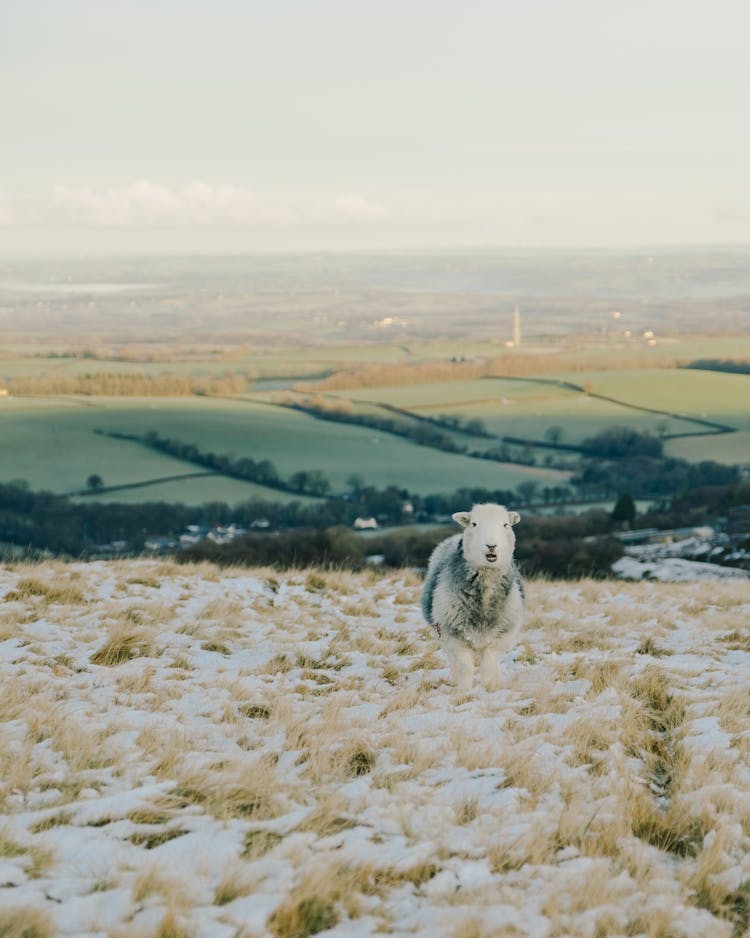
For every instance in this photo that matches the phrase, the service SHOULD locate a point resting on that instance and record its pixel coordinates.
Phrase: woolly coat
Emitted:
(476, 605)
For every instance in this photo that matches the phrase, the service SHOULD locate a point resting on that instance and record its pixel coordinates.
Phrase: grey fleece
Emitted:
(478, 595)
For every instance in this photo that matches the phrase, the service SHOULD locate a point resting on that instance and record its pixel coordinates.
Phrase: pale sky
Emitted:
(238, 125)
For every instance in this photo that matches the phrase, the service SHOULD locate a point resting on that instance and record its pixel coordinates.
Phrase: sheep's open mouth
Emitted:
(491, 558)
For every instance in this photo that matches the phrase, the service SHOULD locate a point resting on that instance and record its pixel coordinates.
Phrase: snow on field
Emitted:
(230, 754)
(675, 570)
(685, 560)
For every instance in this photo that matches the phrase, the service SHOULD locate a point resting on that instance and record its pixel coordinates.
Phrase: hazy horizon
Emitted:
(250, 126)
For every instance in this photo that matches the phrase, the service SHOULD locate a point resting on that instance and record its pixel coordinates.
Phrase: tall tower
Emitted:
(516, 326)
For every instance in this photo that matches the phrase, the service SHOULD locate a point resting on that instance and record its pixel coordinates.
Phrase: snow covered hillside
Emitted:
(194, 753)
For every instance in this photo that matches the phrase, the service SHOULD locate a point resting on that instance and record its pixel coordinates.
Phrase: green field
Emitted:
(214, 488)
(515, 407)
(729, 448)
(51, 443)
(709, 395)
(519, 408)
(282, 324)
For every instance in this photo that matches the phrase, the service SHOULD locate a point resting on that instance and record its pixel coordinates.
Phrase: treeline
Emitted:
(720, 364)
(562, 547)
(421, 430)
(169, 384)
(607, 459)
(696, 506)
(129, 384)
(622, 443)
(646, 477)
(45, 522)
(620, 457)
(423, 433)
(105, 355)
(559, 547)
(262, 472)
(471, 426)
(313, 482)
(41, 523)
(503, 366)
(580, 545)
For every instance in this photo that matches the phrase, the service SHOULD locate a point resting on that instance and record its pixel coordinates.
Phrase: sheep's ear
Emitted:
(462, 517)
(514, 517)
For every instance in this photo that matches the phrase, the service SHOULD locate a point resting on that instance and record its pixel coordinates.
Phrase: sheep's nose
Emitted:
(491, 546)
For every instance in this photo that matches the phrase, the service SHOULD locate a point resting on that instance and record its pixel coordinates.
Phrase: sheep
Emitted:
(473, 593)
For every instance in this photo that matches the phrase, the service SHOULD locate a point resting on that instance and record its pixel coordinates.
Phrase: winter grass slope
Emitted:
(189, 752)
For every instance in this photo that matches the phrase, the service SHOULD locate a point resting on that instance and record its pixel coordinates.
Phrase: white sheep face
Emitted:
(488, 535)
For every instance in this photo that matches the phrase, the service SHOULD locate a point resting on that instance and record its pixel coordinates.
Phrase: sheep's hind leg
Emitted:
(489, 667)
(461, 661)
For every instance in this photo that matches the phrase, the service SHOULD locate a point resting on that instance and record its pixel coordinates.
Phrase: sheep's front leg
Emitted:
(461, 661)
(489, 667)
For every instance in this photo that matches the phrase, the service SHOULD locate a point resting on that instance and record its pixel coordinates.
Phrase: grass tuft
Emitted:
(649, 647)
(151, 840)
(732, 906)
(259, 842)
(53, 820)
(31, 587)
(121, 647)
(232, 886)
(255, 711)
(10, 848)
(675, 831)
(219, 647)
(299, 918)
(170, 927)
(360, 762)
(25, 922)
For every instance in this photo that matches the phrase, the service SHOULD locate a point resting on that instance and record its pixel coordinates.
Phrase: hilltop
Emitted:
(188, 751)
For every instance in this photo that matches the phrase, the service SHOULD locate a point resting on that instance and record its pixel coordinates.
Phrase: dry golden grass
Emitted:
(122, 645)
(258, 842)
(25, 922)
(9, 847)
(327, 818)
(29, 589)
(153, 881)
(228, 731)
(171, 925)
(233, 788)
(311, 906)
(727, 902)
(303, 914)
(234, 883)
(318, 900)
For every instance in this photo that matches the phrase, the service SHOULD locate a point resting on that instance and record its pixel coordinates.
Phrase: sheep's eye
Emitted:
(506, 524)
(473, 524)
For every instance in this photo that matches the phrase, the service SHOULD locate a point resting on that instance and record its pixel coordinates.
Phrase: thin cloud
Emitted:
(144, 204)
(203, 213)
